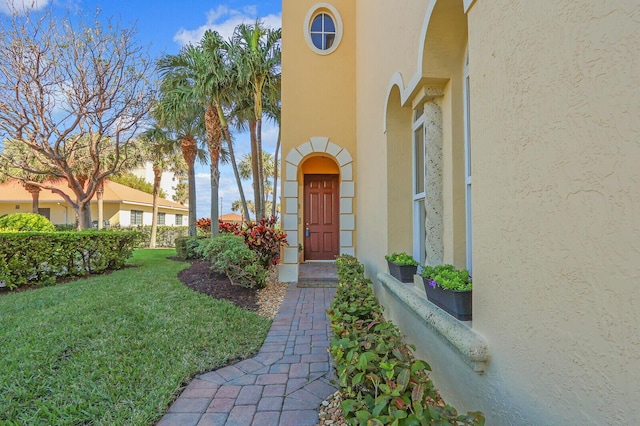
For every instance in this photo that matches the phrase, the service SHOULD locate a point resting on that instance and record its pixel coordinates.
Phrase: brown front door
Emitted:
(321, 217)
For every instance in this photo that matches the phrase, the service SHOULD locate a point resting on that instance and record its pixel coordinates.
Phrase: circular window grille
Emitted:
(323, 28)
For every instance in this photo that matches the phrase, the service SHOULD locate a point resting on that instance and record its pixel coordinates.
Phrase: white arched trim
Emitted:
(292, 199)
(396, 80)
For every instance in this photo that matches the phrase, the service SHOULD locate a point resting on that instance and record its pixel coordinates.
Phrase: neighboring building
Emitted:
(123, 206)
(501, 136)
(168, 181)
(231, 218)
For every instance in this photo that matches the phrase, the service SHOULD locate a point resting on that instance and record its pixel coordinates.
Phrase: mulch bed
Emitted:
(200, 278)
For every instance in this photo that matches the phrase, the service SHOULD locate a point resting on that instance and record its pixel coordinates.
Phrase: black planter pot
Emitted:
(402, 273)
(455, 303)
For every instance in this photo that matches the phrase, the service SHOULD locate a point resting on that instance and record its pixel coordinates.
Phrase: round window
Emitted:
(323, 28)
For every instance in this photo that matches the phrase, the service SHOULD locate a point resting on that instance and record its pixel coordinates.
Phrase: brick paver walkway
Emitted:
(283, 384)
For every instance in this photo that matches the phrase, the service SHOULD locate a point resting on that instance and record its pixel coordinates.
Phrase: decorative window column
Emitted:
(430, 97)
(292, 199)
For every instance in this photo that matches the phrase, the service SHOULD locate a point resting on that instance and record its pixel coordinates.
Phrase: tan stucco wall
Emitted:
(57, 212)
(554, 107)
(556, 224)
(556, 185)
(318, 119)
(318, 92)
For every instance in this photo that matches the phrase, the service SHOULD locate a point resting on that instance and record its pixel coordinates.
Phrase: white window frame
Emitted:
(467, 162)
(164, 218)
(134, 215)
(178, 216)
(314, 11)
(419, 198)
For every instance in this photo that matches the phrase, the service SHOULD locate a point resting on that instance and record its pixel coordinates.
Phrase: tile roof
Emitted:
(13, 191)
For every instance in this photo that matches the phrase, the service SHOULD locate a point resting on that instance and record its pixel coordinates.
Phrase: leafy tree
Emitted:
(63, 84)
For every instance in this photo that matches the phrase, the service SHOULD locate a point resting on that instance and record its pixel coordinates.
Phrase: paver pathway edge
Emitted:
(283, 384)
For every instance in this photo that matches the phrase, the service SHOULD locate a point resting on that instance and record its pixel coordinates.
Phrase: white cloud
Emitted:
(224, 20)
(10, 6)
(269, 136)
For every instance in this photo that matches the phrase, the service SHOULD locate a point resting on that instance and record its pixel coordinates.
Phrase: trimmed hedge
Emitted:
(380, 381)
(165, 235)
(42, 258)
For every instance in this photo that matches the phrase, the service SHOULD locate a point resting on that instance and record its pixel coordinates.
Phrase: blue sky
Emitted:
(166, 26)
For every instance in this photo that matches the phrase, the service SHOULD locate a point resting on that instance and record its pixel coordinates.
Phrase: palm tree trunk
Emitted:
(189, 151)
(275, 172)
(157, 178)
(257, 180)
(214, 143)
(232, 155)
(260, 213)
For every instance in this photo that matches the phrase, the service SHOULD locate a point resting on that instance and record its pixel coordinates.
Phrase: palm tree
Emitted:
(256, 51)
(203, 71)
(274, 111)
(161, 151)
(268, 166)
(184, 123)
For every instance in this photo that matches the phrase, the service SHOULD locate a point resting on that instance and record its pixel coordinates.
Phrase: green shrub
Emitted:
(43, 258)
(402, 259)
(26, 222)
(65, 228)
(186, 247)
(379, 379)
(447, 277)
(230, 255)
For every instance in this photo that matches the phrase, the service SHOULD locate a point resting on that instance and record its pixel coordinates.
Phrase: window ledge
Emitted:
(471, 346)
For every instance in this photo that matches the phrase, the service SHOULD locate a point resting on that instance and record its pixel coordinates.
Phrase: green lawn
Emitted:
(114, 349)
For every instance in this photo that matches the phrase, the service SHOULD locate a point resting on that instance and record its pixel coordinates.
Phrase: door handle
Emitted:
(306, 232)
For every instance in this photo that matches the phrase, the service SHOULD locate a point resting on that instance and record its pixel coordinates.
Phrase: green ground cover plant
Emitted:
(380, 381)
(114, 349)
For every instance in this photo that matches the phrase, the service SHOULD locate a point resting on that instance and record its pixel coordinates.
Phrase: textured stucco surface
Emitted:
(433, 188)
(556, 190)
(556, 218)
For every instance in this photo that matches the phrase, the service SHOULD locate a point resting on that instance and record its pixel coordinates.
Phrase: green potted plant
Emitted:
(450, 289)
(402, 266)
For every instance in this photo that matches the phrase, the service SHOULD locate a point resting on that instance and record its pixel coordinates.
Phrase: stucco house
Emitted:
(500, 136)
(123, 206)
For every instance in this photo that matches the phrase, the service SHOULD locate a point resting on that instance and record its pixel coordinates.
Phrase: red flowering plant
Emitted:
(229, 227)
(263, 237)
(204, 225)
